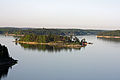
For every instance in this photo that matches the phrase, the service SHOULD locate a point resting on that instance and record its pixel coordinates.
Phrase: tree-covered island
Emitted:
(57, 40)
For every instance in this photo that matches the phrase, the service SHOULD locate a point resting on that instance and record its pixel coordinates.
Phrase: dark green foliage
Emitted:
(110, 33)
(76, 40)
(10, 30)
(48, 38)
(44, 31)
(41, 38)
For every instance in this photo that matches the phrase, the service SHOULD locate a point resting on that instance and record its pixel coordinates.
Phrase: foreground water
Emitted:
(99, 61)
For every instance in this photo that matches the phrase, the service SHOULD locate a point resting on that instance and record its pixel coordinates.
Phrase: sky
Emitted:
(80, 14)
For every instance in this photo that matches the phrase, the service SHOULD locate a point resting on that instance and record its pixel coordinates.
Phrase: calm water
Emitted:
(100, 61)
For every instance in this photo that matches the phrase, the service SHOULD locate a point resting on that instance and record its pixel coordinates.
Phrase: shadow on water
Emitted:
(46, 48)
(116, 40)
(4, 69)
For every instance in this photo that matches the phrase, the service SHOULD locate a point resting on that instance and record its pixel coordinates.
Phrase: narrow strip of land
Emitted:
(108, 36)
(52, 44)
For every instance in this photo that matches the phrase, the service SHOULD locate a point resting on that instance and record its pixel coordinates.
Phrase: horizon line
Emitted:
(55, 28)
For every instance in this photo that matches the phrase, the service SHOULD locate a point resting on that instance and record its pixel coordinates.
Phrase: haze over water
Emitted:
(80, 14)
(99, 61)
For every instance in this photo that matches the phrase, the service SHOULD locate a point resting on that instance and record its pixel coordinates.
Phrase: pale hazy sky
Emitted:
(95, 14)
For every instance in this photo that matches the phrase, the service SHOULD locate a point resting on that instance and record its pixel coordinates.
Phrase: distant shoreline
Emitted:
(108, 37)
(52, 44)
(13, 35)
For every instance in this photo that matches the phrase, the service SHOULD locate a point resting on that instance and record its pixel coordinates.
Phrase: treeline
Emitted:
(10, 30)
(49, 38)
(45, 31)
(110, 33)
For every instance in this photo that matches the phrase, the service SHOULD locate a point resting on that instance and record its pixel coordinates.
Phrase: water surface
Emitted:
(99, 61)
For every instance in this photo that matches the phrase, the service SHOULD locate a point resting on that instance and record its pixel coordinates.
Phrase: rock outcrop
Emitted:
(5, 59)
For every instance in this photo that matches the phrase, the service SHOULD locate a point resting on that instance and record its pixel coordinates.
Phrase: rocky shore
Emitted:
(53, 44)
(5, 58)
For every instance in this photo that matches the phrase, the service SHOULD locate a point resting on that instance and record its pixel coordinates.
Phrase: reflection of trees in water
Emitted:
(46, 48)
(4, 71)
(117, 40)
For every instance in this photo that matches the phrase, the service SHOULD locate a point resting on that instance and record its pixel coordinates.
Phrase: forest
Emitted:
(49, 38)
(45, 31)
(110, 33)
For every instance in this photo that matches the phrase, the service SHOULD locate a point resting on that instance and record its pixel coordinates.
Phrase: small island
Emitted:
(109, 34)
(52, 40)
(5, 59)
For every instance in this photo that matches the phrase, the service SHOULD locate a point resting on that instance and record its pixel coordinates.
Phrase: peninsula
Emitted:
(109, 34)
